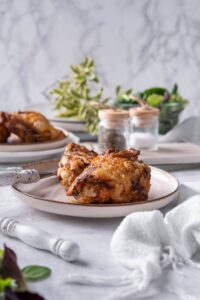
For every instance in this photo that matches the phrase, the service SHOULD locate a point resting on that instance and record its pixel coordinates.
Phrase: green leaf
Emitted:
(154, 90)
(117, 90)
(75, 69)
(155, 100)
(35, 273)
(91, 63)
(129, 92)
(5, 282)
(1, 253)
(175, 89)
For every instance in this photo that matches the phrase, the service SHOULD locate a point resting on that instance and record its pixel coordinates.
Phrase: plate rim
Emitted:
(19, 154)
(60, 149)
(66, 133)
(29, 144)
(106, 205)
(61, 120)
(53, 118)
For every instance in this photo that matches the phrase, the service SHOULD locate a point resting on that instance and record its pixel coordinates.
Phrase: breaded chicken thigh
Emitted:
(114, 177)
(74, 160)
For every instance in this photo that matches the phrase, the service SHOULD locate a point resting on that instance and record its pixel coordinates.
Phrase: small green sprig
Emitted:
(80, 96)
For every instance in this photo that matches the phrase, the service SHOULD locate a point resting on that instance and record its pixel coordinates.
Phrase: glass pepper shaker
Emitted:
(113, 129)
(144, 127)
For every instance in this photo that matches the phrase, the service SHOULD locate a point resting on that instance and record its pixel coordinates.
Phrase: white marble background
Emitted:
(135, 43)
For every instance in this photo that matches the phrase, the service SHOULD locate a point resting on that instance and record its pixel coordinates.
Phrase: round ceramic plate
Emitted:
(69, 124)
(48, 195)
(29, 156)
(35, 146)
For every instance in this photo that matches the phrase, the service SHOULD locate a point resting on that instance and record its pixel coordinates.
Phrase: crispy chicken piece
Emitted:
(74, 160)
(4, 134)
(30, 127)
(112, 178)
(42, 128)
(17, 127)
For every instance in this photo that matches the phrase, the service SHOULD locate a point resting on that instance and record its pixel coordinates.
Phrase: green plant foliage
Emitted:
(170, 103)
(80, 96)
(154, 100)
(6, 282)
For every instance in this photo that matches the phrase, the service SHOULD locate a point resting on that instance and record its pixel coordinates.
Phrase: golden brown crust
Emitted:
(4, 134)
(74, 160)
(114, 177)
(17, 127)
(41, 127)
(30, 127)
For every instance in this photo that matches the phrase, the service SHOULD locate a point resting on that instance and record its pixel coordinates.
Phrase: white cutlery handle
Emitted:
(10, 176)
(66, 249)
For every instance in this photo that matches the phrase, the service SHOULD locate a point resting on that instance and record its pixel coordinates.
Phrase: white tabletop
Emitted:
(93, 237)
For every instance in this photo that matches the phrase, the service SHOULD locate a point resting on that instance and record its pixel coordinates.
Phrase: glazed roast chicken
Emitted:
(28, 127)
(113, 177)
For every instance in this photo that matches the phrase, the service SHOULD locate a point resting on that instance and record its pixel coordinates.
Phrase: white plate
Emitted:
(35, 146)
(47, 195)
(68, 124)
(30, 156)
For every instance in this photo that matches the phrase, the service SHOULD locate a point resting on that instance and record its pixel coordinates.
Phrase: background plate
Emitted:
(30, 156)
(35, 146)
(47, 195)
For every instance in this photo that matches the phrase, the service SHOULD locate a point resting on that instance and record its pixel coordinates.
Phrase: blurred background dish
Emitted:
(46, 109)
(69, 124)
(36, 146)
(19, 157)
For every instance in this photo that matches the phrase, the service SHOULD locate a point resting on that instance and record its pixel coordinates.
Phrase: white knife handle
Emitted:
(11, 176)
(66, 249)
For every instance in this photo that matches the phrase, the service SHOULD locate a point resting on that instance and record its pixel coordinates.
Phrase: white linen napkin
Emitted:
(186, 131)
(146, 243)
(183, 224)
(142, 243)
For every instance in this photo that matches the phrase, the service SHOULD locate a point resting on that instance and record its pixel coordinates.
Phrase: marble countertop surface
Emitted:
(93, 236)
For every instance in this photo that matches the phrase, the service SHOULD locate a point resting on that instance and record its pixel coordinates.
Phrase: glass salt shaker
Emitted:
(144, 127)
(113, 129)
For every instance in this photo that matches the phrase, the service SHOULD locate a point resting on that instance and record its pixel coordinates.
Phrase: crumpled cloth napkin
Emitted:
(186, 131)
(146, 243)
